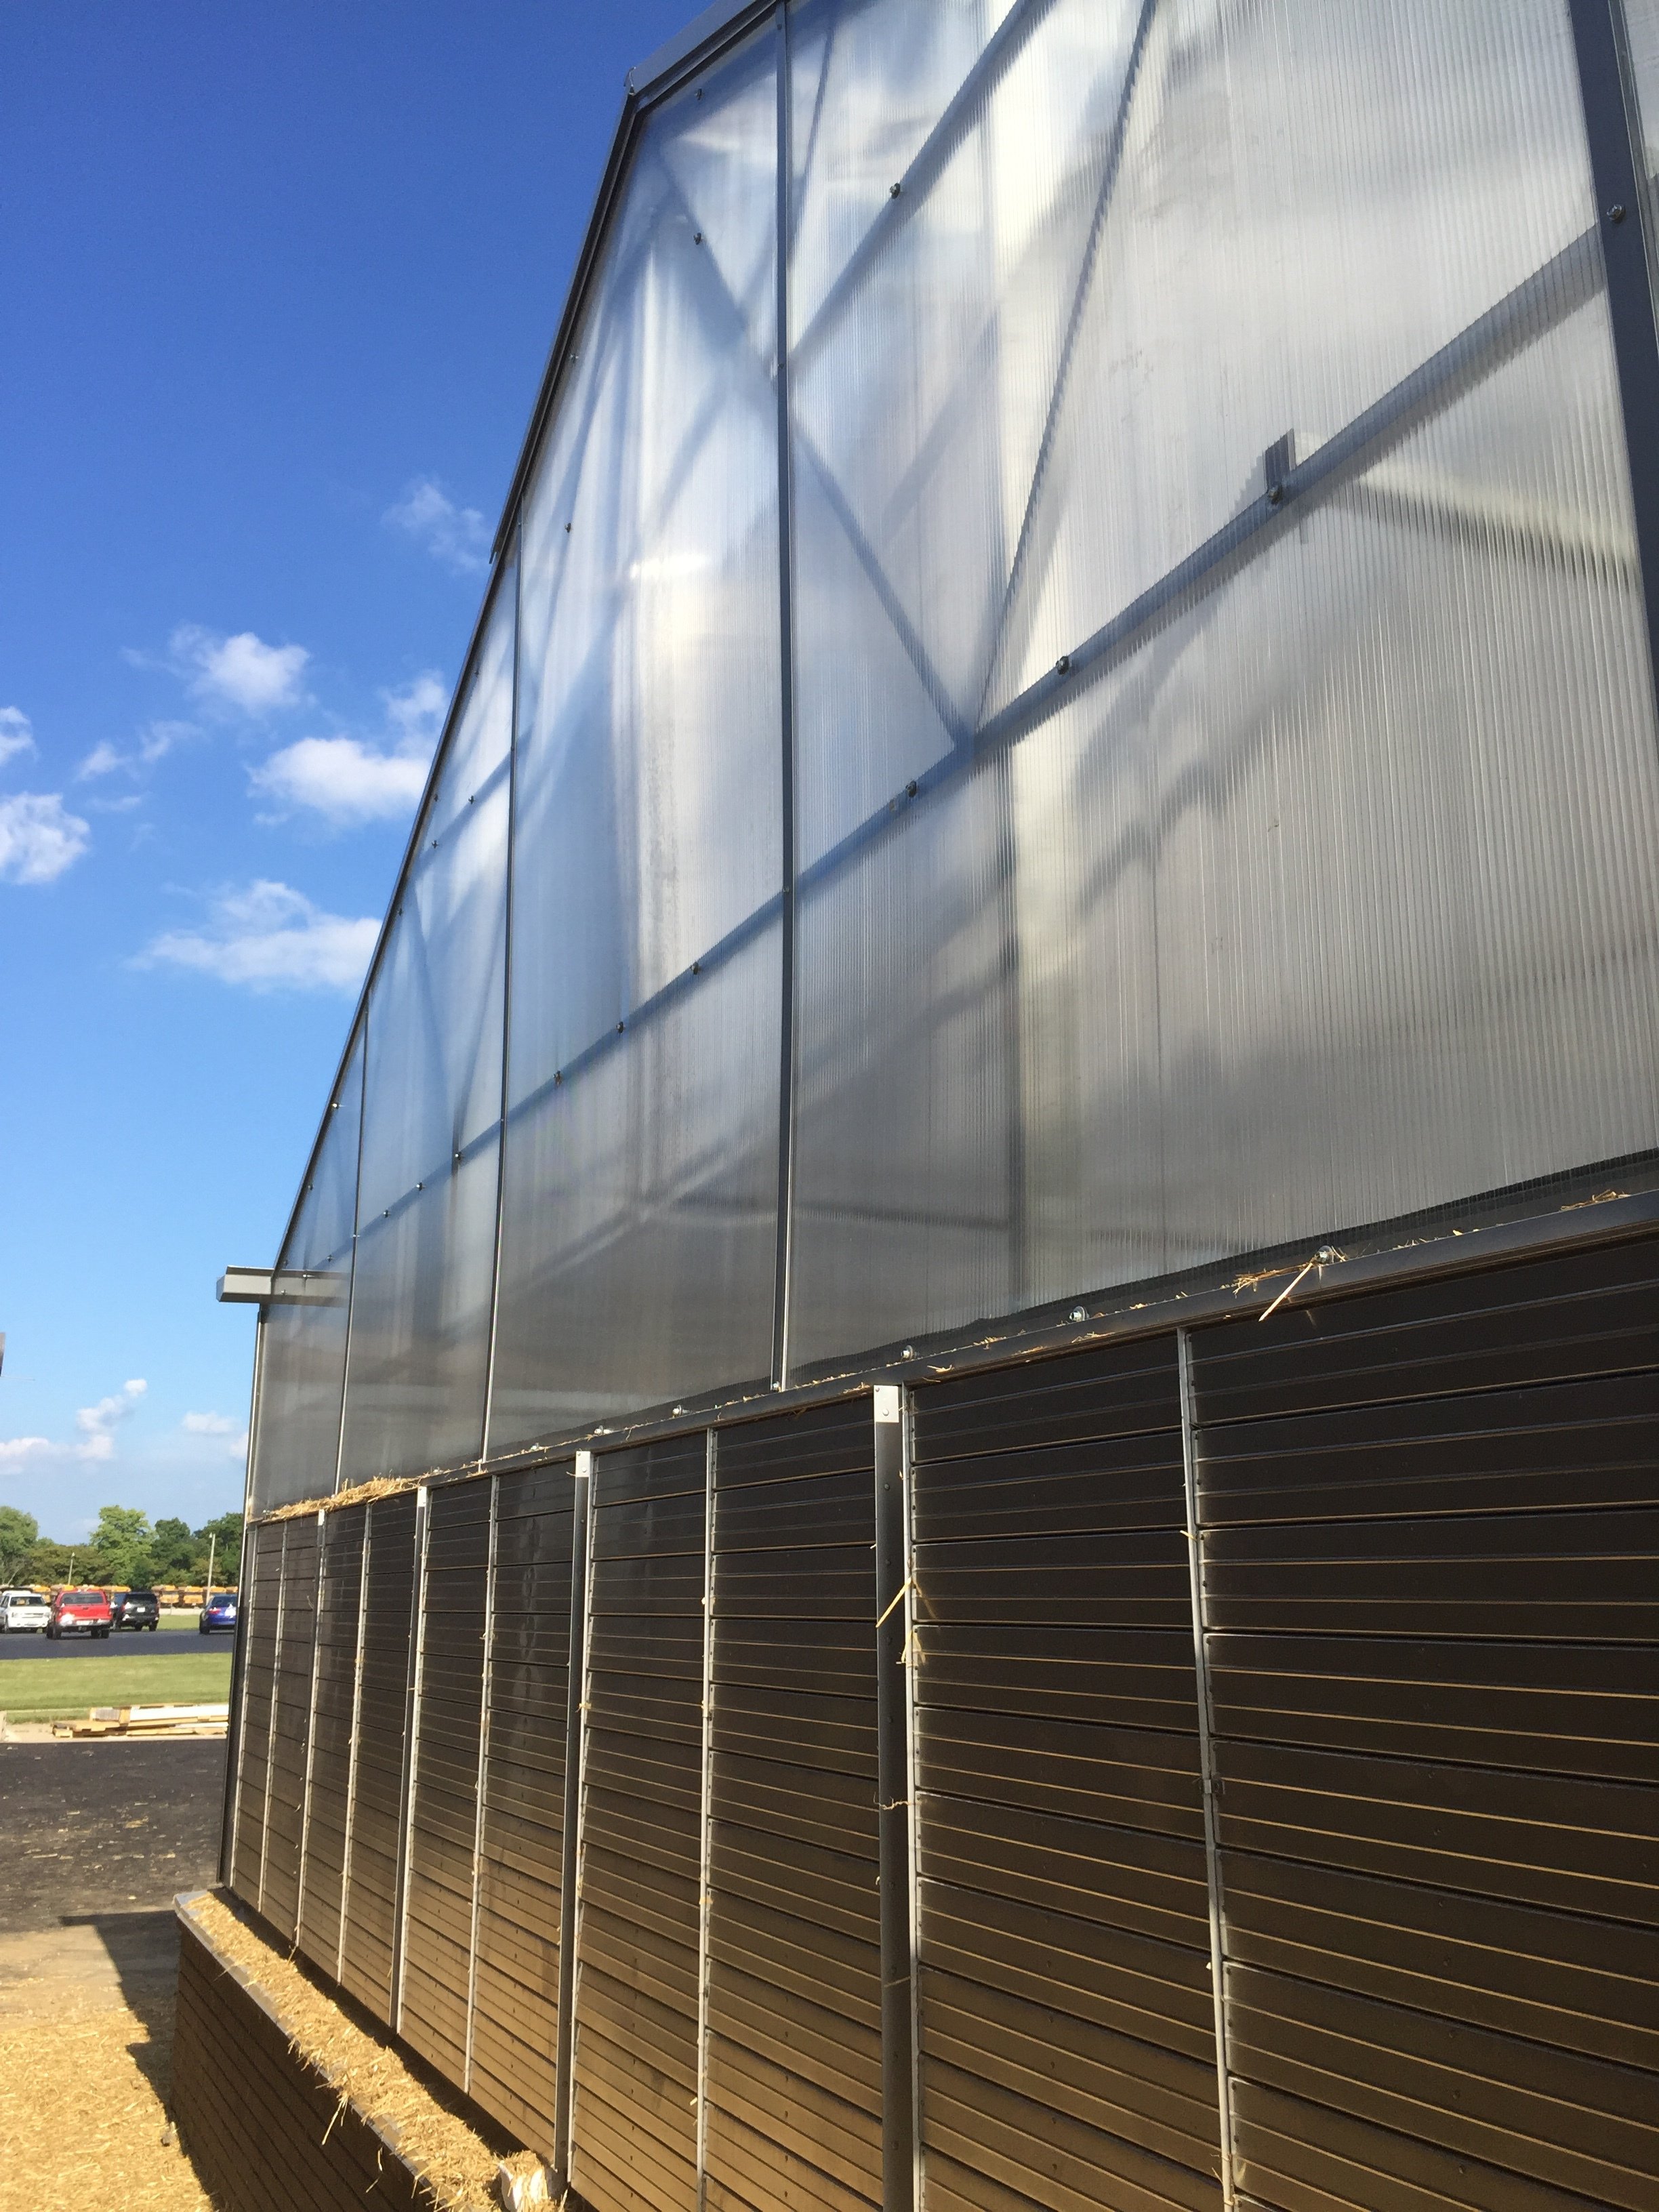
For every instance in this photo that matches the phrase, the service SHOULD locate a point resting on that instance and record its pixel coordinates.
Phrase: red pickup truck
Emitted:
(79, 1613)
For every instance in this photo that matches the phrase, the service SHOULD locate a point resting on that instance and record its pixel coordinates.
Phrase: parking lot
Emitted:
(150, 1641)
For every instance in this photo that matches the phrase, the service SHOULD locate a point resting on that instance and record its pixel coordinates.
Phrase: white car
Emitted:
(22, 1612)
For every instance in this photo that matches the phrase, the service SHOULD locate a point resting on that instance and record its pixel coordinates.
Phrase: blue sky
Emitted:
(278, 287)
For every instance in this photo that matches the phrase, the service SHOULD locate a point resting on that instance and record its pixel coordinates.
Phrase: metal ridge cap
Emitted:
(675, 57)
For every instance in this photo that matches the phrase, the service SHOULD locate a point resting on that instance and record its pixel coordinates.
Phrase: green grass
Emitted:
(56, 1689)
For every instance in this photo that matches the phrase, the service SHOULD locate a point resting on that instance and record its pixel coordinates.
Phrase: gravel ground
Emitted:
(99, 1839)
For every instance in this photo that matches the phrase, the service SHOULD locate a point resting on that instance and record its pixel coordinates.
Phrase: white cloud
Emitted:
(344, 780)
(16, 732)
(416, 713)
(98, 1424)
(458, 537)
(242, 671)
(39, 838)
(154, 743)
(271, 938)
(347, 780)
(221, 1425)
(15, 1450)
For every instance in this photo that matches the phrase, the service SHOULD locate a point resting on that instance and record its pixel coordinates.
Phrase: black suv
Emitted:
(134, 1609)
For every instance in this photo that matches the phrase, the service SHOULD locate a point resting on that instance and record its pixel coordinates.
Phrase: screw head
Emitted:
(908, 1352)
(696, 967)
(697, 239)
(1616, 212)
(1063, 665)
(893, 191)
(1275, 495)
(911, 789)
(621, 1026)
(1079, 1313)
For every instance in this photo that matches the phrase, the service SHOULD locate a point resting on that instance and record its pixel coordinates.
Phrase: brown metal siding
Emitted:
(340, 1607)
(444, 1791)
(1432, 1597)
(371, 1890)
(795, 2056)
(636, 2001)
(514, 2024)
(262, 1582)
(1066, 2010)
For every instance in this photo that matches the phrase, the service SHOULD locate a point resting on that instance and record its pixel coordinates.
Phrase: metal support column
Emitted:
(898, 2146)
(356, 1738)
(784, 1262)
(238, 1643)
(411, 1729)
(311, 1725)
(271, 1715)
(481, 1791)
(570, 1864)
(1630, 250)
(706, 1823)
(1210, 1783)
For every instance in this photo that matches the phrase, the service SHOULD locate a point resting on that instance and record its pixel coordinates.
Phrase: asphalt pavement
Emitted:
(106, 1828)
(135, 1642)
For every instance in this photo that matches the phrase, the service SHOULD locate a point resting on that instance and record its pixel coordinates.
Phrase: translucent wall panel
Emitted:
(298, 1446)
(1642, 17)
(640, 1213)
(1305, 913)
(421, 1310)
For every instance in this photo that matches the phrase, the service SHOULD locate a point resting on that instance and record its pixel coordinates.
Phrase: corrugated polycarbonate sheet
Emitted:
(1642, 27)
(444, 1790)
(640, 1222)
(302, 1364)
(1431, 1573)
(1065, 2006)
(634, 2130)
(426, 1253)
(794, 1992)
(371, 1890)
(290, 1726)
(339, 1612)
(1296, 916)
(262, 1582)
(516, 1985)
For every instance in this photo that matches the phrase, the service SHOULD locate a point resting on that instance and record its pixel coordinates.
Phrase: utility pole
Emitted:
(213, 1543)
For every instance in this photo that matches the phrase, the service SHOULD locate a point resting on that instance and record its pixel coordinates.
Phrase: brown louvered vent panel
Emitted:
(1431, 1524)
(1066, 2006)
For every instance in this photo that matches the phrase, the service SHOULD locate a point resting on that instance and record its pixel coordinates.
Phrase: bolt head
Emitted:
(1616, 212)
(908, 1352)
(1079, 1313)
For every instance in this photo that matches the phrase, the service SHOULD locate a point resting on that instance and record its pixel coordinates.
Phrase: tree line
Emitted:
(124, 1551)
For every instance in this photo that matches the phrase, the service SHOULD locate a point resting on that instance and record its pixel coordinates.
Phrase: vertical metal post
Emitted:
(311, 1723)
(787, 733)
(356, 1737)
(412, 1731)
(912, 1783)
(1209, 1782)
(507, 1029)
(705, 1828)
(1618, 160)
(233, 1806)
(898, 2176)
(575, 1735)
(270, 1713)
(351, 1285)
(482, 1791)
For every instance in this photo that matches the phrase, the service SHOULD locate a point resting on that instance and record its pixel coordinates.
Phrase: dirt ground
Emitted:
(98, 1839)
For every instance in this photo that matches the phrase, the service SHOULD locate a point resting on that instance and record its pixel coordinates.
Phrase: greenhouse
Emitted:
(952, 1458)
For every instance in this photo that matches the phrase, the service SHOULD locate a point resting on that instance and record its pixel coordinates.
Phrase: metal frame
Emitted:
(406, 1784)
(356, 1739)
(1209, 1781)
(1625, 248)
(311, 1724)
(706, 1811)
(270, 1719)
(575, 1746)
(481, 1787)
(893, 1812)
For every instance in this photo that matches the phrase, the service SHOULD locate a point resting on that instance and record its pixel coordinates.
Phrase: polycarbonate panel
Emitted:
(639, 1214)
(303, 1374)
(1329, 900)
(421, 1310)
(1642, 17)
